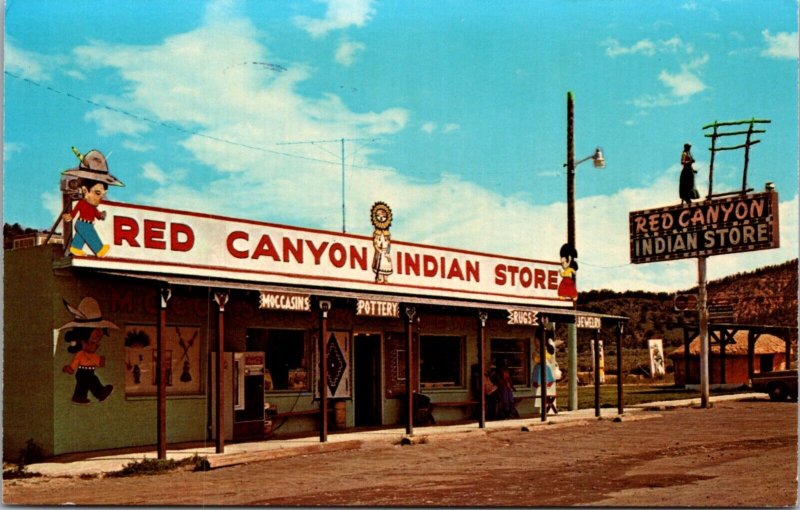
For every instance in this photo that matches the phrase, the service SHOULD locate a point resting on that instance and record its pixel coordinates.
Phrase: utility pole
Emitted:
(572, 331)
(344, 225)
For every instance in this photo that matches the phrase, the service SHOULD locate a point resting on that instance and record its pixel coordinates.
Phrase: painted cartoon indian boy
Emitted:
(94, 180)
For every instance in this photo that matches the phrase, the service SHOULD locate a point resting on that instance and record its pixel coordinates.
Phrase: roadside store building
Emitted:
(731, 366)
(276, 299)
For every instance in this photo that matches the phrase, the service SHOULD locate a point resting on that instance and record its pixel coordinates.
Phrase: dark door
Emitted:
(367, 372)
(766, 363)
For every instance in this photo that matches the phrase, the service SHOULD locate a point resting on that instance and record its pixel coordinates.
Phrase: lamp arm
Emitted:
(587, 158)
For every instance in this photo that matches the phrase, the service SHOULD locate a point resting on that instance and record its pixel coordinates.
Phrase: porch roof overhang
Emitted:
(559, 315)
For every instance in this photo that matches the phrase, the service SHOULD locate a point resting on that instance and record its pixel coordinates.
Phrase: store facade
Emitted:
(376, 319)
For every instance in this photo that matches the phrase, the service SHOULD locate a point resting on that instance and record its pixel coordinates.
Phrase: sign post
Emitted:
(703, 322)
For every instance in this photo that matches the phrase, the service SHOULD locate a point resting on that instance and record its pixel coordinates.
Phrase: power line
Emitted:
(184, 130)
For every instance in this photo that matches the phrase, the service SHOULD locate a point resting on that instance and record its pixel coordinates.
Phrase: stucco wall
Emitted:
(28, 358)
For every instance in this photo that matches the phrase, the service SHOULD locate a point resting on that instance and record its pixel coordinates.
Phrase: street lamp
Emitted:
(599, 161)
(597, 156)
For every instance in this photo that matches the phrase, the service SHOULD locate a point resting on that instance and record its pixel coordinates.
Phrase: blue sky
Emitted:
(454, 113)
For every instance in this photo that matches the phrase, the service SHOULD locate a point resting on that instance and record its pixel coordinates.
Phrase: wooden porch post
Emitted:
(620, 398)
(483, 317)
(324, 307)
(164, 294)
(221, 298)
(410, 313)
(751, 345)
(597, 373)
(543, 366)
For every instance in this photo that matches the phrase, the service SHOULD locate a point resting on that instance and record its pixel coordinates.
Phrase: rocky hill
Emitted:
(766, 296)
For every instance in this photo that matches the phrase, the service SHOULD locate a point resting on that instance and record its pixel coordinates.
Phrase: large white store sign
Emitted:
(156, 240)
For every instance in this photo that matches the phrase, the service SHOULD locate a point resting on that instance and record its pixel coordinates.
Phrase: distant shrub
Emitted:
(146, 467)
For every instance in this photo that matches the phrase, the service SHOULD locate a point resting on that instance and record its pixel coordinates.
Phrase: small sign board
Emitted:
(720, 312)
(375, 308)
(739, 223)
(587, 322)
(284, 301)
(685, 302)
(522, 318)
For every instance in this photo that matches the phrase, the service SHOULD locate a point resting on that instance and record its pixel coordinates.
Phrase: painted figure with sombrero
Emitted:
(94, 182)
(84, 335)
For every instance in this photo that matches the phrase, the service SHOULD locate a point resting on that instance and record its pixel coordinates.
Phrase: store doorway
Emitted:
(367, 372)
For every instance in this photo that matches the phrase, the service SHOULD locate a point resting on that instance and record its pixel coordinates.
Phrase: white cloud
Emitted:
(111, 123)
(137, 146)
(685, 83)
(430, 127)
(783, 45)
(682, 86)
(27, 64)
(347, 51)
(340, 14)
(10, 149)
(646, 47)
(152, 172)
(51, 202)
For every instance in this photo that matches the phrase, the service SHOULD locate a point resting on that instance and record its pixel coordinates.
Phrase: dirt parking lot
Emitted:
(734, 454)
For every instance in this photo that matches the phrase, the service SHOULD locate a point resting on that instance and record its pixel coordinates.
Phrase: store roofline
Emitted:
(563, 315)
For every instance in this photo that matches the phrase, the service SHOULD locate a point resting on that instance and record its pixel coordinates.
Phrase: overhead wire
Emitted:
(173, 127)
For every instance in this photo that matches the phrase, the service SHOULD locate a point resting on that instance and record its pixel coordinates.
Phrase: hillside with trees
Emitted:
(765, 296)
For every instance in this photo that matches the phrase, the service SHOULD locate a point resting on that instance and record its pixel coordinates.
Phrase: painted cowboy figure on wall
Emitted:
(686, 188)
(84, 335)
(93, 182)
(381, 216)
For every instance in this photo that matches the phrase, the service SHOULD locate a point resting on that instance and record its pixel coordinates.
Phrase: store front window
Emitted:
(441, 361)
(285, 357)
(515, 354)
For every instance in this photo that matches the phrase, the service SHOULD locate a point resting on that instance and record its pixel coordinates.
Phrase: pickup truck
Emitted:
(778, 384)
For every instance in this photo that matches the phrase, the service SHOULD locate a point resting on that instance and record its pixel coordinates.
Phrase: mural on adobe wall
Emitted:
(83, 333)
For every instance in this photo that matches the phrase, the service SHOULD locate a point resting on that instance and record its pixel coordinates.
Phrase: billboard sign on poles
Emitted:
(745, 222)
